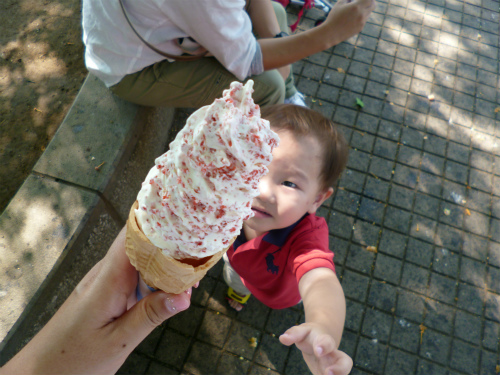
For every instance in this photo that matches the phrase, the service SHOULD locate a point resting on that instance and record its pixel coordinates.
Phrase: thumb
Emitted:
(138, 322)
(294, 335)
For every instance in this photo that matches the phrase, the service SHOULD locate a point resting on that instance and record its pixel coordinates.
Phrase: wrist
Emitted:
(329, 35)
(281, 34)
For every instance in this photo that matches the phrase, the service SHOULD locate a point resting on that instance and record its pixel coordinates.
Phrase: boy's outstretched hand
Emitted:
(319, 349)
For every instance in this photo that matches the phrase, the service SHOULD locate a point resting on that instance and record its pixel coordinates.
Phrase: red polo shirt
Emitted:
(272, 264)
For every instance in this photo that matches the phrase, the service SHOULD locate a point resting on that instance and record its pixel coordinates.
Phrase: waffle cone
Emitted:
(161, 271)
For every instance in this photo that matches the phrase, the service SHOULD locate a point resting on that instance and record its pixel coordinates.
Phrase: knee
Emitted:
(269, 88)
(280, 12)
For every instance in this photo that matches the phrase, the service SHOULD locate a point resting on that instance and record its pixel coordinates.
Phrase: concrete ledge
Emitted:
(67, 213)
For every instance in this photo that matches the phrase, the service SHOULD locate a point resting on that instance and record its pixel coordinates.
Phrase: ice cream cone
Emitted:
(161, 271)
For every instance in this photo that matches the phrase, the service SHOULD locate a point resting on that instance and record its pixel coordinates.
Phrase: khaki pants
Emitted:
(197, 83)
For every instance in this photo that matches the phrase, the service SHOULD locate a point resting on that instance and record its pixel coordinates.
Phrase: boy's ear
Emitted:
(320, 199)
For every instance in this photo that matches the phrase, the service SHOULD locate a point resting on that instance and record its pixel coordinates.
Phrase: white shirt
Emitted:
(221, 26)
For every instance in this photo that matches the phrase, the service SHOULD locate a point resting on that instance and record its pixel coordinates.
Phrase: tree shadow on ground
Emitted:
(41, 71)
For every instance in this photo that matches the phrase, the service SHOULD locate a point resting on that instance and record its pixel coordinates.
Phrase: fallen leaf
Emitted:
(341, 70)
(436, 61)
(359, 102)
(497, 109)
(252, 342)
(371, 249)
(467, 212)
(422, 330)
(418, 229)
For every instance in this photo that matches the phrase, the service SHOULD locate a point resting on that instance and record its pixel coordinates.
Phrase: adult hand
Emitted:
(100, 323)
(347, 18)
(319, 349)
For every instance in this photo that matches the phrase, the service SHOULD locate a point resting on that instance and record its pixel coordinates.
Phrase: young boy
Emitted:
(282, 254)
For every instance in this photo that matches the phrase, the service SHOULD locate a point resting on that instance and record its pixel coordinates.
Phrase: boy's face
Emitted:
(291, 188)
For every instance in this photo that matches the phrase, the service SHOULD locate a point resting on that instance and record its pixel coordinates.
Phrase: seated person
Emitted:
(224, 29)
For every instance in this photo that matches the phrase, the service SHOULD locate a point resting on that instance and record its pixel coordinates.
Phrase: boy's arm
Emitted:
(324, 301)
(319, 337)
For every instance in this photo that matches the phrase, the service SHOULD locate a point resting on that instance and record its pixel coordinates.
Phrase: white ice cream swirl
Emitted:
(195, 198)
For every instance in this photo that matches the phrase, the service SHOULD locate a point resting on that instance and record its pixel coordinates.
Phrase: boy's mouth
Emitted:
(260, 213)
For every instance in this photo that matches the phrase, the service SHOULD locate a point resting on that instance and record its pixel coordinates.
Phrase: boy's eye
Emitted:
(289, 184)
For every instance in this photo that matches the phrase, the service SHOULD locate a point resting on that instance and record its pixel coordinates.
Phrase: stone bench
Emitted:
(71, 207)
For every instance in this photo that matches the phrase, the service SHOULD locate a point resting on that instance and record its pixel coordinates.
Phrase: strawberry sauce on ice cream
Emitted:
(194, 200)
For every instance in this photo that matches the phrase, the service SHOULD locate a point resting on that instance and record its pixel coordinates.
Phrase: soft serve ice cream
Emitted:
(196, 197)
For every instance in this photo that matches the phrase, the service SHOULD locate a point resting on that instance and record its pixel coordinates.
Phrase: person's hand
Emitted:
(319, 349)
(347, 18)
(100, 324)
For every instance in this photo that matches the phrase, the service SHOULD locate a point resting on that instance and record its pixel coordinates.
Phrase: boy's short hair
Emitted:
(302, 121)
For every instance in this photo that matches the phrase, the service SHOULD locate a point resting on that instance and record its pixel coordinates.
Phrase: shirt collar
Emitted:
(278, 237)
(275, 237)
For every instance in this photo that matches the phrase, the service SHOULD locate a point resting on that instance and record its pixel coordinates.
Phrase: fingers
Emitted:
(147, 314)
(294, 335)
(342, 366)
(323, 344)
(364, 7)
(366, 4)
(114, 268)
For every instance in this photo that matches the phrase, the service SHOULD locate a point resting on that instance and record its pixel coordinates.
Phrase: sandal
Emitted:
(236, 301)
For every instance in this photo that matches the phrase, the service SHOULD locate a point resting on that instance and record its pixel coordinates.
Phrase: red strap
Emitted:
(308, 4)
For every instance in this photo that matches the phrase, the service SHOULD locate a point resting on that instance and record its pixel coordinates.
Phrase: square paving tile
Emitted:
(410, 306)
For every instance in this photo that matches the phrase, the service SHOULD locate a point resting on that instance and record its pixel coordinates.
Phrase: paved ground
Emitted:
(421, 187)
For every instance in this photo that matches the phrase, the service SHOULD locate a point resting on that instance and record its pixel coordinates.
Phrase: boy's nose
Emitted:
(266, 190)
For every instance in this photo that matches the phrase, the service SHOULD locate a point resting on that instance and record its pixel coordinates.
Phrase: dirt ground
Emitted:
(41, 71)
